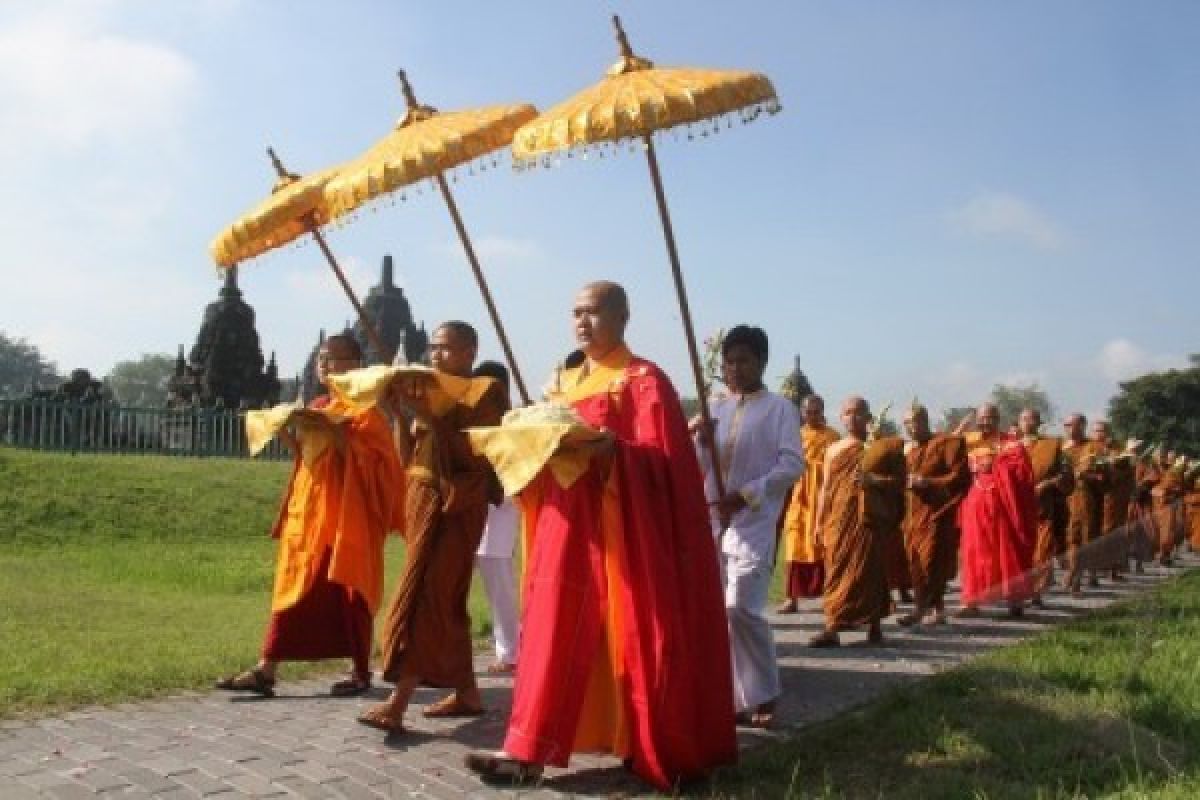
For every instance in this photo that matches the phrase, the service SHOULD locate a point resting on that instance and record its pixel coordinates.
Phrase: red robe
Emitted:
(673, 684)
(998, 520)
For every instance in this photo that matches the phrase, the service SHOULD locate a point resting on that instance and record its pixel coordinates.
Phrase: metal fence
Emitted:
(97, 428)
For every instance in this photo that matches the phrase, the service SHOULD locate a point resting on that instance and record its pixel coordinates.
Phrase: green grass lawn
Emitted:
(1106, 707)
(129, 576)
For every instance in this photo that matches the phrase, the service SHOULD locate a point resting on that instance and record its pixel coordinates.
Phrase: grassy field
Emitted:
(124, 576)
(1106, 707)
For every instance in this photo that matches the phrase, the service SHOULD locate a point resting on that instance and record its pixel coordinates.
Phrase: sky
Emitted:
(955, 194)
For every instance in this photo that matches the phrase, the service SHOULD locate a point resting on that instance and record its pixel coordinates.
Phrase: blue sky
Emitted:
(955, 194)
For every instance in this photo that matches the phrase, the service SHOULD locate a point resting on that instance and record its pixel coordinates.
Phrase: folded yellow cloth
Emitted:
(519, 452)
(364, 388)
(316, 428)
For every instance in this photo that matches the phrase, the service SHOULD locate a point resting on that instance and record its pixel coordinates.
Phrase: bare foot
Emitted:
(789, 606)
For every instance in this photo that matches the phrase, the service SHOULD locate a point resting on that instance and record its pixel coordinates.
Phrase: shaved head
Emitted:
(856, 414)
(609, 295)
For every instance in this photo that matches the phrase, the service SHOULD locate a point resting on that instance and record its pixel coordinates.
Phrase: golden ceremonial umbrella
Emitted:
(295, 207)
(634, 101)
(424, 145)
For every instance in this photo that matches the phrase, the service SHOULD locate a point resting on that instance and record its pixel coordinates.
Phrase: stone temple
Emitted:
(225, 368)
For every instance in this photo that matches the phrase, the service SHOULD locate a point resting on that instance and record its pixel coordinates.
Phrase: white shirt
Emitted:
(758, 438)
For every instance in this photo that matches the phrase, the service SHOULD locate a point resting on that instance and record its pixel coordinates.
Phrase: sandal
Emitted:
(501, 668)
(451, 707)
(252, 680)
(382, 718)
(499, 768)
(350, 687)
(825, 639)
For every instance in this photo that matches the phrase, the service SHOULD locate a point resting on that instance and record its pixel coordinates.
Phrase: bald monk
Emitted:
(427, 631)
(623, 645)
(1052, 483)
(805, 565)
(1118, 496)
(1085, 506)
(862, 504)
(986, 432)
(340, 502)
(938, 478)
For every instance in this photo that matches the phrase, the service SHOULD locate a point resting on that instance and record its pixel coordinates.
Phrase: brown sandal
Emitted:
(353, 686)
(501, 668)
(500, 769)
(451, 707)
(252, 680)
(382, 718)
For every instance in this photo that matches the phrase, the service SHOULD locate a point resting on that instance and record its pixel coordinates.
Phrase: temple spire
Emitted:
(385, 279)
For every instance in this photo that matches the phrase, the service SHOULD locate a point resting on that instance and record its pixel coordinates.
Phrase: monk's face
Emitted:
(451, 352)
(987, 417)
(1076, 427)
(1029, 422)
(599, 322)
(1100, 431)
(742, 369)
(916, 425)
(855, 417)
(814, 412)
(334, 358)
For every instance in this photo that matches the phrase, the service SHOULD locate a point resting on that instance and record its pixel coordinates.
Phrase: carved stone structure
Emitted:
(225, 367)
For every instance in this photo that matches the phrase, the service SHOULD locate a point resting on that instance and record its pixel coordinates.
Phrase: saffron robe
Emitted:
(427, 630)
(335, 514)
(998, 519)
(1046, 460)
(1192, 505)
(619, 651)
(855, 524)
(1085, 505)
(931, 517)
(1168, 511)
(806, 569)
(1115, 509)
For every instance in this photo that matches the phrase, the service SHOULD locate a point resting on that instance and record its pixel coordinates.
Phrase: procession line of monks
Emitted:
(629, 562)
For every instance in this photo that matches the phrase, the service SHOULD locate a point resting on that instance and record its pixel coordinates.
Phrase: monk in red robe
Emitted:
(623, 645)
(998, 519)
(861, 506)
(341, 500)
(938, 478)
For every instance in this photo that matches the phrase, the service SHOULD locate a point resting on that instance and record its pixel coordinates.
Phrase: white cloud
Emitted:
(1005, 215)
(1121, 359)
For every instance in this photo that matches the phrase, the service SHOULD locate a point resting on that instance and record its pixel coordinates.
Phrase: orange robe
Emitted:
(855, 524)
(1192, 504)
(1121, 482)
(427, 631)
(1085, 508)
(331, 526)
(1168, 512)
(1046, 458)
(805, 565)
(931, 517)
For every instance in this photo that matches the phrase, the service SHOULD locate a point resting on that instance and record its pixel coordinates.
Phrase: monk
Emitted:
(938, 478)
(998, 519)
(862, 504)
(987, 428)
(1052, 483)
(427, 631)
(1192, 505)
(1085, 506)
(805, 565)
(623, 645)
(1168, 517)
(340, 502)
(1118, 496)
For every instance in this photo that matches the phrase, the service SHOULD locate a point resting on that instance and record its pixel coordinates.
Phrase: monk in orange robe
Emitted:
(1052, 483)
(427, 630)
(805, 565)
(341, 500)
(938, 478)
(1118, 496)
(1167, 495)
(862, 504)
(1085, 506)
(624, 648)
(1192, 504)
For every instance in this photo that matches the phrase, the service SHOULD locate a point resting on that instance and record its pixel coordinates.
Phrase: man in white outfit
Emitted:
(494, 559)
(758, 442)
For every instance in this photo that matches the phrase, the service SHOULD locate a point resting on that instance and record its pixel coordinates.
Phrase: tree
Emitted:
(23, 366)
(951, 417)
(1012, 400)
(1161, 408)
(795, 385)
(142, 382)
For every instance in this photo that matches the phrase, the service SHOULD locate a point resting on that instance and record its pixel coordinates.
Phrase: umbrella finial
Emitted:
(285, 177)
(622, 39)
(406, 87)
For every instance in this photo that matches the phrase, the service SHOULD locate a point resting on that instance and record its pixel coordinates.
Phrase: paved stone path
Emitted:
(305, 744)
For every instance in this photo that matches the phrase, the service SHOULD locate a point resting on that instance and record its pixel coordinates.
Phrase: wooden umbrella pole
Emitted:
(373, 335)
(483, 287)
(681, 294)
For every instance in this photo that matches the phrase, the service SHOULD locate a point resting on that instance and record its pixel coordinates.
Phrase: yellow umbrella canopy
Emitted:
(634, 101)
(424, 145)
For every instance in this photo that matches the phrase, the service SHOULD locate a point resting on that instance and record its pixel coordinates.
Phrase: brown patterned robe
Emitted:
(427, 632)
(1085, 509)
(1121, 482)
(1046, 456)
(931, 520)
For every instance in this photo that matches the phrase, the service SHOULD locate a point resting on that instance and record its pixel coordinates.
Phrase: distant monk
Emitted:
(1052, 483)
(1168, 515)
(427, 631)
(998, 519)
(1085, 506)
(862, 503)
(938, 478)
(339, 504)
(805, 564)
(1192, 504)
(623, 648)
(987, 428)
(1118, 496)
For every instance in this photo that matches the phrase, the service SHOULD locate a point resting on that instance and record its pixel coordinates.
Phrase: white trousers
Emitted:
(747, 580)
(501, 588)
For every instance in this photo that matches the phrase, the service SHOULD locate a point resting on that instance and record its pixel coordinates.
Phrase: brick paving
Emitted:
(305, 744)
